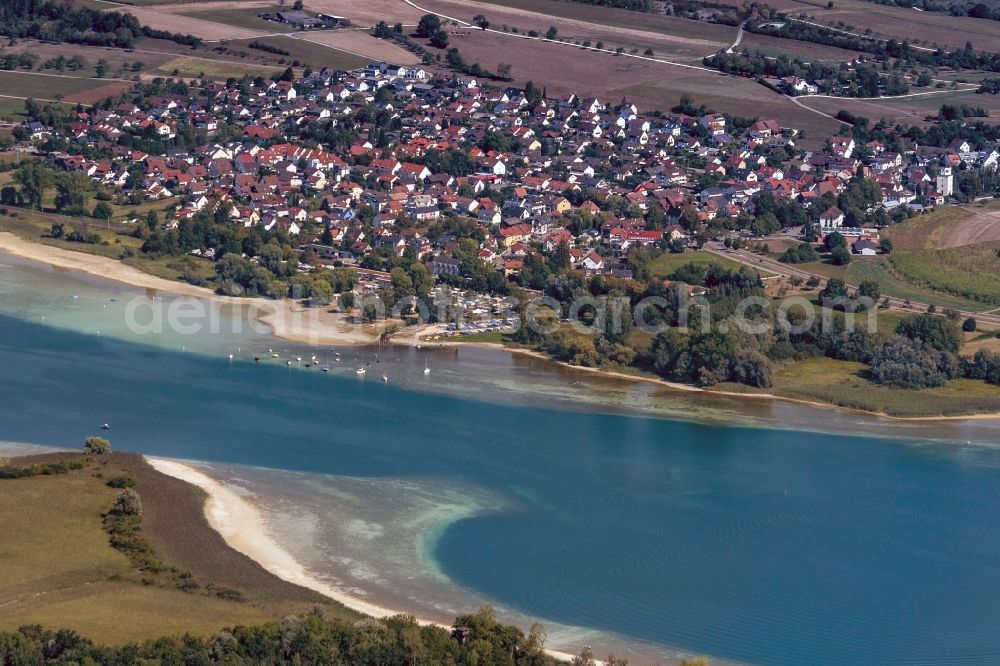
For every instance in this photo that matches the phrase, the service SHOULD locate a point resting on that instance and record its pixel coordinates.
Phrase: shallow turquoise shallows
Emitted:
(751, 544)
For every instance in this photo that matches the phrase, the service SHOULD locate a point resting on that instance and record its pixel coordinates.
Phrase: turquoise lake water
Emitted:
(751, 544)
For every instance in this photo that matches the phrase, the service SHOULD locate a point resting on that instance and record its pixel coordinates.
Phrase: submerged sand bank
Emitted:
(243, 529)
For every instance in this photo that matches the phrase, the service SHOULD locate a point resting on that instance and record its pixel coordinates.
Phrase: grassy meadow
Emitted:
(843, 383)
(61, 571)
(669, 262)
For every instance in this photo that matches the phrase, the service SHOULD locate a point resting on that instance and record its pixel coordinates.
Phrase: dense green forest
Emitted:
(482, 641)
(61, 22)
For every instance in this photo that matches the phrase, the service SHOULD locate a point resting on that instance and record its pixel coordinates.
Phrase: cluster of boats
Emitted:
(313, 361)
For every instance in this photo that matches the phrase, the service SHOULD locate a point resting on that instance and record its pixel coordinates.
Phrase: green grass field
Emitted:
(493, 337)
(880, 269)
(669, 262)
(971, 272)
(843, 383)
(12, 109)
(59, 569)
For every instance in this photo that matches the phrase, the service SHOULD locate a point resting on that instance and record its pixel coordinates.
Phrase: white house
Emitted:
(833, 218)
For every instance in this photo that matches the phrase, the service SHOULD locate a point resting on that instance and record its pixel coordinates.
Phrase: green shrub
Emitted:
(123, 481)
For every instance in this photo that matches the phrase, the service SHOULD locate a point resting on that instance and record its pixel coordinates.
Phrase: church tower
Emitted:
(944, 178)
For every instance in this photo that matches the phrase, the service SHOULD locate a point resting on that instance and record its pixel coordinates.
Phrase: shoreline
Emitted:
(690, 388)
(291, 321)
(286, 319)
(242, 528)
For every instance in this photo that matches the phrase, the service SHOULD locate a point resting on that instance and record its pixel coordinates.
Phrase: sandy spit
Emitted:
(242, 526)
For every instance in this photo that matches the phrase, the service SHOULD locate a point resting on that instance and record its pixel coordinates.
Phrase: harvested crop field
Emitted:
(360, 44)
(667, 36)
(219, 70)
(366, 13)
(651, 85)
(602, 16)
(119, 60)
(951, 250)
(221, 5)
(982, 227)
(912, 109)
(241, 17)
(46, 87)
(208, 30)
(99, 93)
(309, 53)
(947, 228)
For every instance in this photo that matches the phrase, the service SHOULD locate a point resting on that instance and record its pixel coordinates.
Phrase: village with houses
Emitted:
(538, 173)
(483, 188)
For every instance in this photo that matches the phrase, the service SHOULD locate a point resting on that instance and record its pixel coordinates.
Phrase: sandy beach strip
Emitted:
(287, 319)
(243, 529)
(93, 264)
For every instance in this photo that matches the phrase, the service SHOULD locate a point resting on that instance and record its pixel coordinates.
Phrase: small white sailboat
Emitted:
(427, 370)
(385, 378)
